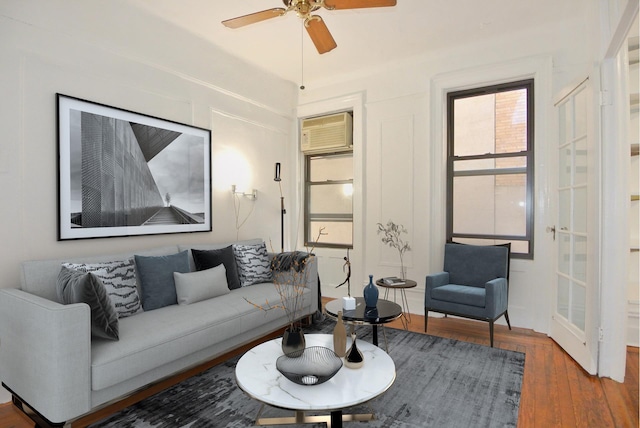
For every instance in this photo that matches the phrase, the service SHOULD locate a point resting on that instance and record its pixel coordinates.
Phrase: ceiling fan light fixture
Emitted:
(304, 8)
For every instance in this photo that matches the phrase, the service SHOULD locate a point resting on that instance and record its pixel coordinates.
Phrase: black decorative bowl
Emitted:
(313, 366)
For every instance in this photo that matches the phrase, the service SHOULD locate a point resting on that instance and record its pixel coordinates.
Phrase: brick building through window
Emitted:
(490, 166)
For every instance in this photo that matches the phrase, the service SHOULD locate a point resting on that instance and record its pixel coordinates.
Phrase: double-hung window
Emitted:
(490, 166)
(328, 199)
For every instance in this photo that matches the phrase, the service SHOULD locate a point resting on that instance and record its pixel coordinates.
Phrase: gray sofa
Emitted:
(50, 361)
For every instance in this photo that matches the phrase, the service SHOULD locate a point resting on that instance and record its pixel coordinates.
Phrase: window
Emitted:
(490, 166)
(329, 202)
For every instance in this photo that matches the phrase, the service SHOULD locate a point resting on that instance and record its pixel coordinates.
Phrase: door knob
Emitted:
(552, 229)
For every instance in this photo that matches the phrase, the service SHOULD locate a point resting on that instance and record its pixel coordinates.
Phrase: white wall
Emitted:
(154, 71)
(403, 151)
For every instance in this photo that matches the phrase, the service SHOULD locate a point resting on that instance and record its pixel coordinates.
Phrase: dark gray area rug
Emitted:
(440, 383)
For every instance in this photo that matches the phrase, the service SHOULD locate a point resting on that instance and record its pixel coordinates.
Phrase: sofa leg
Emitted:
(491, 333)
(39, 420)
(426, 317)
(506, 316)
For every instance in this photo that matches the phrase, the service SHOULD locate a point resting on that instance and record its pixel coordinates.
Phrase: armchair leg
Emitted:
(426, 317)
(506, 316)
(491, 333)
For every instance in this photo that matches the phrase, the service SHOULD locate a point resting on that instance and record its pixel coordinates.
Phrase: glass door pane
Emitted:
(572, 212)
(576, 192)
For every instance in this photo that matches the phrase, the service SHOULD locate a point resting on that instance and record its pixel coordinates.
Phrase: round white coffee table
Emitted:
(257, 376)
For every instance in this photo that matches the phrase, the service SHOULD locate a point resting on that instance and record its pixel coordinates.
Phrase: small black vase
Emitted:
(354, 358)
(293, 343)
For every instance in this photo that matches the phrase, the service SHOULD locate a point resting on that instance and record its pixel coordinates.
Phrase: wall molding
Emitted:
(137, 59)
(243, 119)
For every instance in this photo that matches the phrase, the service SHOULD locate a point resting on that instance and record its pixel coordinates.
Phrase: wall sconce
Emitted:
(253, 195)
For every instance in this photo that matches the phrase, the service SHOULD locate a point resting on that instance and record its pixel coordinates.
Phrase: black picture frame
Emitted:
(122, 173)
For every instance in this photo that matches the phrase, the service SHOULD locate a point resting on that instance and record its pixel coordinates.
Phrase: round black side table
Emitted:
(385, 312)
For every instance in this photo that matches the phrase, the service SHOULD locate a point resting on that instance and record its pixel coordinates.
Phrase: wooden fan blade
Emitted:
(357, 4)
(320, 35)
(252, 18)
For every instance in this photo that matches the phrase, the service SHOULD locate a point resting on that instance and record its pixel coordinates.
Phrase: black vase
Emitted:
(293, 343)
(354, 358)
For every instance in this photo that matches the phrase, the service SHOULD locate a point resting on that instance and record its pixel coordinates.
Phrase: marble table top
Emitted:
(256, 375)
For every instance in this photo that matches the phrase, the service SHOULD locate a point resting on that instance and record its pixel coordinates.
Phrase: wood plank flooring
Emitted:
(556, 392)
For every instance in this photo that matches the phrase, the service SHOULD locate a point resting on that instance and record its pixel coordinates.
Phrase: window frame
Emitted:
(529, 170)
(308, 240)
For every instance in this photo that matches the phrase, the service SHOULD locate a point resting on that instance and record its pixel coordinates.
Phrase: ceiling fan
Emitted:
(314, 24)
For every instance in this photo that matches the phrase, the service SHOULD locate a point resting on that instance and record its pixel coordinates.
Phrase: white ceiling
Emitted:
(366, 38)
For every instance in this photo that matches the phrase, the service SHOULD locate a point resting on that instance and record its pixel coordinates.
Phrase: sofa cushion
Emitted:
(119, 279)
(206, 284)
(206, 259)
(81, 287)
(39, 276)
(185, 330)
(253, 263)
(156, 278)
(462, 294)
(214, 246)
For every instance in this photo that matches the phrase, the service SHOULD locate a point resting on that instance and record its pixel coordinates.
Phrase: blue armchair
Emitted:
(474, 284)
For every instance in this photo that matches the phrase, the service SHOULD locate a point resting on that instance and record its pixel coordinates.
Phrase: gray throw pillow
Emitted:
(205, 284)
(253, 263)
(119, 279)
(156, 278)
(206, 259)
(80, 287)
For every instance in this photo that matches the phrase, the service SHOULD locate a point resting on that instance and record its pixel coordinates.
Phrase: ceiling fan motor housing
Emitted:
(304, 8)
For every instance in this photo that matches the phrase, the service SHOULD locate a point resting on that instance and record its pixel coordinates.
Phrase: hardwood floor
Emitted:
(556, 392)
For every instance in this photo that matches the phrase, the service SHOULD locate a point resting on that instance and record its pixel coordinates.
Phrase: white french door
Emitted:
(576, 230)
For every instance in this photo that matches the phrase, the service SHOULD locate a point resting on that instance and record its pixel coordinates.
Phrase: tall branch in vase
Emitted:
(290, 279)
(391, 236)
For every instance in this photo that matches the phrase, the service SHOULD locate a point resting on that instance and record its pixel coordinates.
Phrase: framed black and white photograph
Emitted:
(122, 173)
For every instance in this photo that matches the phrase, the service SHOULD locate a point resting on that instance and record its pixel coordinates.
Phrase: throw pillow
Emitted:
(80, 287)
(119, 279)
(253, 263)
(205, 284)
(156, 278)
(206, 259)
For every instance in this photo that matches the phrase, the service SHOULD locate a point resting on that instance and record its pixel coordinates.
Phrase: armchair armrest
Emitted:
(496, 296)
(45, 353)
(433, 281)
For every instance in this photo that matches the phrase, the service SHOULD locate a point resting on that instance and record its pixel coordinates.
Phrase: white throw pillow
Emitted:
(201, 285)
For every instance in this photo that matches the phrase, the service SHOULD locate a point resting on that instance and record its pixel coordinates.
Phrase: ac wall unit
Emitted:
(327, 134)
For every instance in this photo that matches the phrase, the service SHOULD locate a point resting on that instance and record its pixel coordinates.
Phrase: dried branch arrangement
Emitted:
(391, 235)
(290, 279)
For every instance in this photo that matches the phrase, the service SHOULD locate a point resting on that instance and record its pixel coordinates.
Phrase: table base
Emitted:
(406, 315)
(375, 335)
(334, 420)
